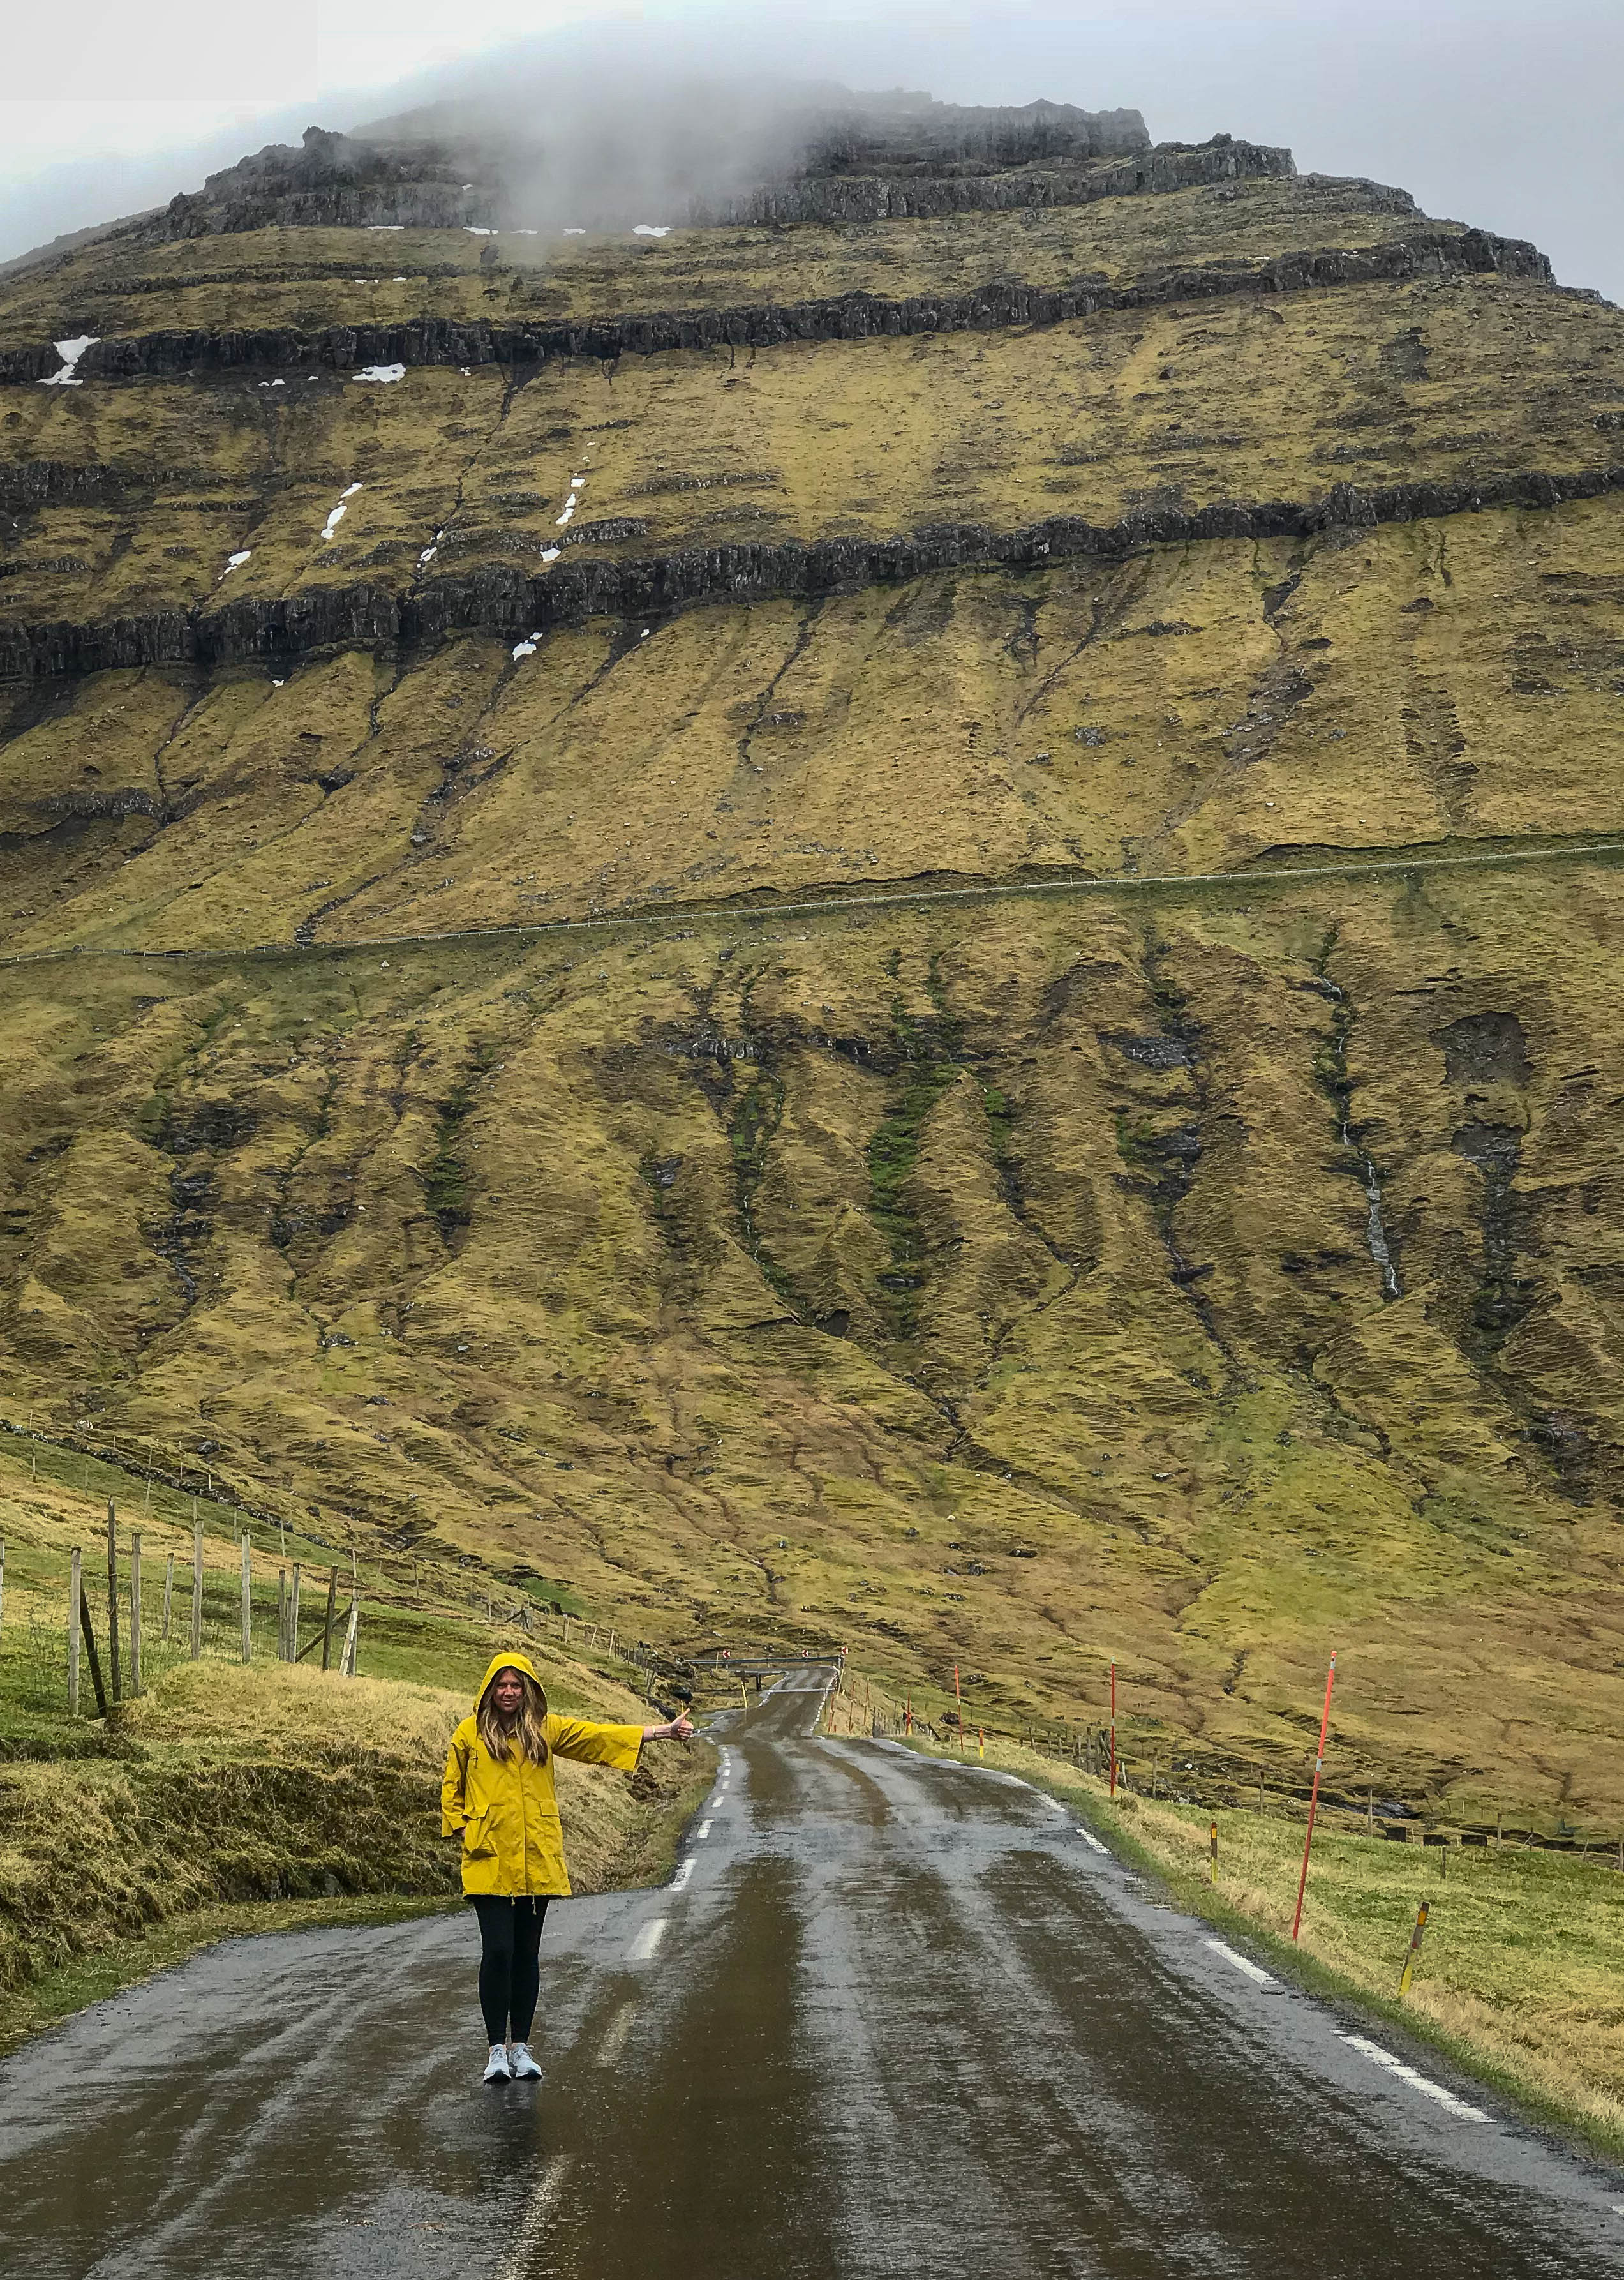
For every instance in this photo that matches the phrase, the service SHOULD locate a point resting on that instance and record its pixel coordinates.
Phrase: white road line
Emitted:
(685, 1869)
(1435, 2090)
(647, 1941)
(1255, 1972)
(1089, 1838)
(615, 2041)
(705, 1830)
(521, 2248)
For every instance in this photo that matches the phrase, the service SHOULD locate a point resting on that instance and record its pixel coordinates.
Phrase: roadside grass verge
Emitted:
(1521, 1976)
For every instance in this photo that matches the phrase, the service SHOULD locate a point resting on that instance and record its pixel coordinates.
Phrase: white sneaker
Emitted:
(497, 2068)
(523, 2063)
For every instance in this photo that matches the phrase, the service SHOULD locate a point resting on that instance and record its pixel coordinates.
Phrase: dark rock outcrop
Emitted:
(331, 181)
(888, 194)
(1433, 252)
(495, 599)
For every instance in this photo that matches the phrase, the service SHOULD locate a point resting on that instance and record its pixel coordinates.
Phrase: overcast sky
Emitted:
(1510, 116)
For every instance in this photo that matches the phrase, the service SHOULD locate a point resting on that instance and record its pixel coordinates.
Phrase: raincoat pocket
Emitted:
(477, 1843)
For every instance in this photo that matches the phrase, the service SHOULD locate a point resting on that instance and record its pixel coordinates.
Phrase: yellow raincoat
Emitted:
(507, 1809)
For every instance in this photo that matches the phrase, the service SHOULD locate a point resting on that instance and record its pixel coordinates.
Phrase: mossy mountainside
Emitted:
(1205, 1275)
(1191, 709)
(999, 1290)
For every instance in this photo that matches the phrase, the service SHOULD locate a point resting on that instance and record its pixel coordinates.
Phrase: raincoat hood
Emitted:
(508, 1662)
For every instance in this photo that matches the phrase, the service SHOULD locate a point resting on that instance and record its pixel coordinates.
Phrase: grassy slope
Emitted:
(524, 1196)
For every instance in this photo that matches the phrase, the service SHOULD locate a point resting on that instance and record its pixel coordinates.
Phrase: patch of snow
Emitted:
(399, 280)
(551, 555)
(465, 372)
(338, 513)
(578, 482)
(273, 383)
(474, 230)
(277, 684)
(524, 233)
(69, 353)
(652, 229)
(386, 225)
(574, 232)
(383, 373)
(427, 557)
(352, 490)
(236, 561)
(523, 649)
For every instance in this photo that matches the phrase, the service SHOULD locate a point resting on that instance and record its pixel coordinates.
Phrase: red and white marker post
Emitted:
(1313, 1801)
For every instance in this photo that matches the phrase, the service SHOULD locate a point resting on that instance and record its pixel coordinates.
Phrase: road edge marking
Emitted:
(1427, 2088)
(1244, 1963)
(647, 1941)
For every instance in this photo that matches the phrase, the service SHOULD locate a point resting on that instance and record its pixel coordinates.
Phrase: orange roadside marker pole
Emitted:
(1113, 1730)
(981, 1736)
(1313, 1801)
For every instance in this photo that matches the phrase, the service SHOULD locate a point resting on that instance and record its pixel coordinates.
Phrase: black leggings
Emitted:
(510, 1974)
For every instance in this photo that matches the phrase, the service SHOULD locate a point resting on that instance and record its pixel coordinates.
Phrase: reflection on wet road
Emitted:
(890, 2018)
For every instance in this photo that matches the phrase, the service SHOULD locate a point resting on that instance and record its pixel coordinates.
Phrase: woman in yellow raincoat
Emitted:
(498, 1797)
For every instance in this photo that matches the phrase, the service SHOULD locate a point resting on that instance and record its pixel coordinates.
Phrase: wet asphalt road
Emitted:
(891, 2018)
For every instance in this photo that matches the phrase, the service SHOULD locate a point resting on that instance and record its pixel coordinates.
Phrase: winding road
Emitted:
(890, 2018)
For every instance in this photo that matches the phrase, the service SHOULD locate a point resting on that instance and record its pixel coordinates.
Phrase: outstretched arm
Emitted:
(675, 1729)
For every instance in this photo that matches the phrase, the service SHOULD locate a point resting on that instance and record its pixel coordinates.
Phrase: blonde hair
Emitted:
(526, 1730)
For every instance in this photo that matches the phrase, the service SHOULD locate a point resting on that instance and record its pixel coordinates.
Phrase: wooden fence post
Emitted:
(91, 1655)
(281, 1615)
(75, 1594)
(196, 1641)
(248, 1616)
(293, 1615)
(326, 1630)
(346, 1661)
(135, 1614)
(169, 1592)
(2, 1578)
(112, 1602)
